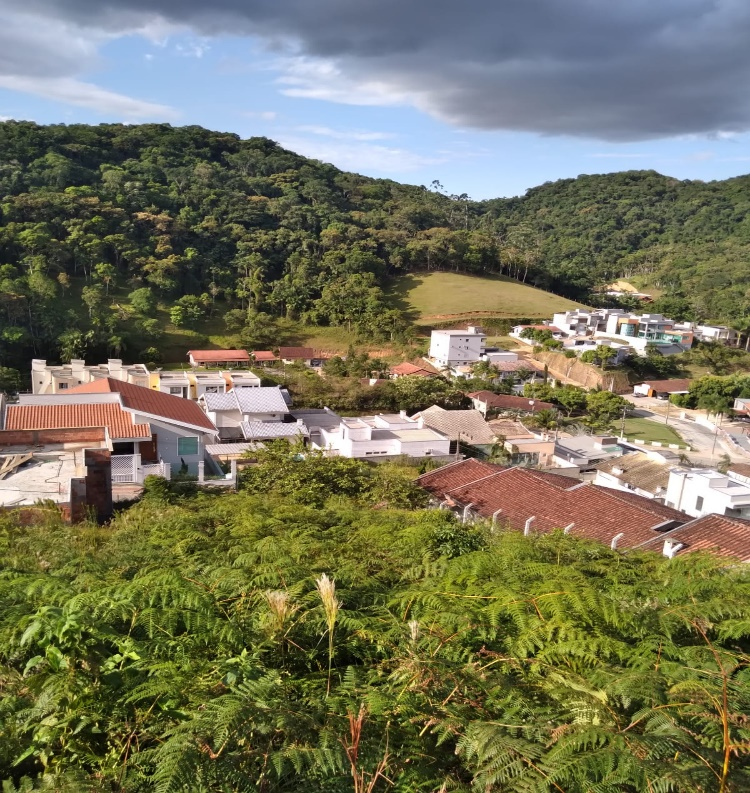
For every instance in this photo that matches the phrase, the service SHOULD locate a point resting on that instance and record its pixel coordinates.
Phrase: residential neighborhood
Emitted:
(503, 455)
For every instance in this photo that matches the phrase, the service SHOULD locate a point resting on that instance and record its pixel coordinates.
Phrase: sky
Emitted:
(489, 97)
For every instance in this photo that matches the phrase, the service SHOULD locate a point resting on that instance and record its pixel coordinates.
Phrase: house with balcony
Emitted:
(146, 431)
(56, 379)
(641, 330)
(582, 322)
(449, 348)
(717, 333)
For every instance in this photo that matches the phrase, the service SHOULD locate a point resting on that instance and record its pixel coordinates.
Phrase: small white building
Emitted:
(580, 322)
(457, 347)
(640, 330)
(720, 333)
(701, 491)
(173, 383)
(384, 435)
(579, 345)
(56, 379)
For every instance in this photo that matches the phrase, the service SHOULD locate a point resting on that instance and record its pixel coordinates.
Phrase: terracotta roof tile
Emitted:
(219, 356)
(554, 501)
(637, 470)
(406, 368)
(146, 400)
(717, 534)
(670, 386)
(510, 402)
(264, 355)
(119, 422)
(296, 353)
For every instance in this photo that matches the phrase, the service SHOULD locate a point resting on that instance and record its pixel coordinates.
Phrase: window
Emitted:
(212, 389)
(176, 390)
(699, 502)
(187, 445)
(62, 385)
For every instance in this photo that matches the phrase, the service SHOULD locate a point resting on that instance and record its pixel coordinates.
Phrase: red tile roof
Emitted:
(219, 356)
(146, 400)
(406, 369)
(119, 422)
(554, 501)
(510, 402)
(297, 353)
(668, 386)
(716, 534)
(264, 355)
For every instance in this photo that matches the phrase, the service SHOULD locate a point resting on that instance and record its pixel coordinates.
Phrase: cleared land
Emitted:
(647, 430)
(440, 296)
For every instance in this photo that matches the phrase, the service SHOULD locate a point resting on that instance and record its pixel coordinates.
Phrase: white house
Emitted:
(640, 330)
(457, 347)
(583, 344)
(719, 333)
(228, 411)
(580, 322)
(643, 473)
(142, 426)
(55, 379)
(701, 491)
(381, 436)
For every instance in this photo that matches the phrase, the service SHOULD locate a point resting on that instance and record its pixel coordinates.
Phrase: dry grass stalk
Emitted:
(327, 590)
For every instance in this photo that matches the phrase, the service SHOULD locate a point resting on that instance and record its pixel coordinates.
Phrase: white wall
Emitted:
(452, 350)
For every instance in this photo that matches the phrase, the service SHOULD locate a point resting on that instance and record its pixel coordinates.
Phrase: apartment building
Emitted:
(58, 378)
(457, 347)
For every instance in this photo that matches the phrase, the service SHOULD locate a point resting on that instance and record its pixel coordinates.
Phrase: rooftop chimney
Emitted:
(671, 548)
(527, 526)
(616, 539)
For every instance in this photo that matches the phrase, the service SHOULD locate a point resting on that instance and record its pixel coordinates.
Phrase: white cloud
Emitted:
(317, 78)
(360, 156)
(262, 115)
(615, 155)
(327, 132)
(88, 95)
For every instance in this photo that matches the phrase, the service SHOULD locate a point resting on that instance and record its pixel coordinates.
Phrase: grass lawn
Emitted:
(433, 296)
(646, 430)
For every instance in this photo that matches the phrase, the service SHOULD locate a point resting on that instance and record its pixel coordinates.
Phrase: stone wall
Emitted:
(572, 370)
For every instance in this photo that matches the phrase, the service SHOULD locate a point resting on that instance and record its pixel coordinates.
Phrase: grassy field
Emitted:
(646, 430)
(436, 296)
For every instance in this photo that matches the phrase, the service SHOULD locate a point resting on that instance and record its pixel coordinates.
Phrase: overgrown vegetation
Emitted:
(244, 642)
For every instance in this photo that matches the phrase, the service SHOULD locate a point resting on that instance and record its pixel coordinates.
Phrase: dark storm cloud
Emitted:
(596, 68)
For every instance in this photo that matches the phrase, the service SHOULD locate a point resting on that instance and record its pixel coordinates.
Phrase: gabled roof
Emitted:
(219, 356)
(468, 424)
(266, 399)
(264, 355)
(510, 402)
(119, 422)
(297, 353)
(407, 369)
(637, 470)
(146, 400)
(554, 501)
(453, 475)
(717, 534)
(668, 386)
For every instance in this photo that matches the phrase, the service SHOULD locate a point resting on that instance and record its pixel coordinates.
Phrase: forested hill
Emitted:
(105, 230)
(689, 239)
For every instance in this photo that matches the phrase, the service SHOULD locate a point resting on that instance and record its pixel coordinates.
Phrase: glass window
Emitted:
(62, 385)
(175, 389)
(187, 445)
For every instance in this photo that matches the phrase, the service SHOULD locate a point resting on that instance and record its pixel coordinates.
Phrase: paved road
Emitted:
(700, 438)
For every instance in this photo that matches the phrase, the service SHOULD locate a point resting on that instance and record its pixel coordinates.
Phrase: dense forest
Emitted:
(107, 232)
(320, 632)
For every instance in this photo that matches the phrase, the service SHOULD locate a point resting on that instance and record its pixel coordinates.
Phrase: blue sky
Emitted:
(325, 108)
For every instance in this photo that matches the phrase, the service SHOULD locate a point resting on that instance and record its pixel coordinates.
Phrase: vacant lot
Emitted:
(646, 430)
(436, 296)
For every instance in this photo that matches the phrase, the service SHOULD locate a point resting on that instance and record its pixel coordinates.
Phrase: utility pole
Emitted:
(669, 404)
(622, 423)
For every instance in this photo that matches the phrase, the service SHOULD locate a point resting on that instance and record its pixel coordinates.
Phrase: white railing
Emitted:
(127, 469)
